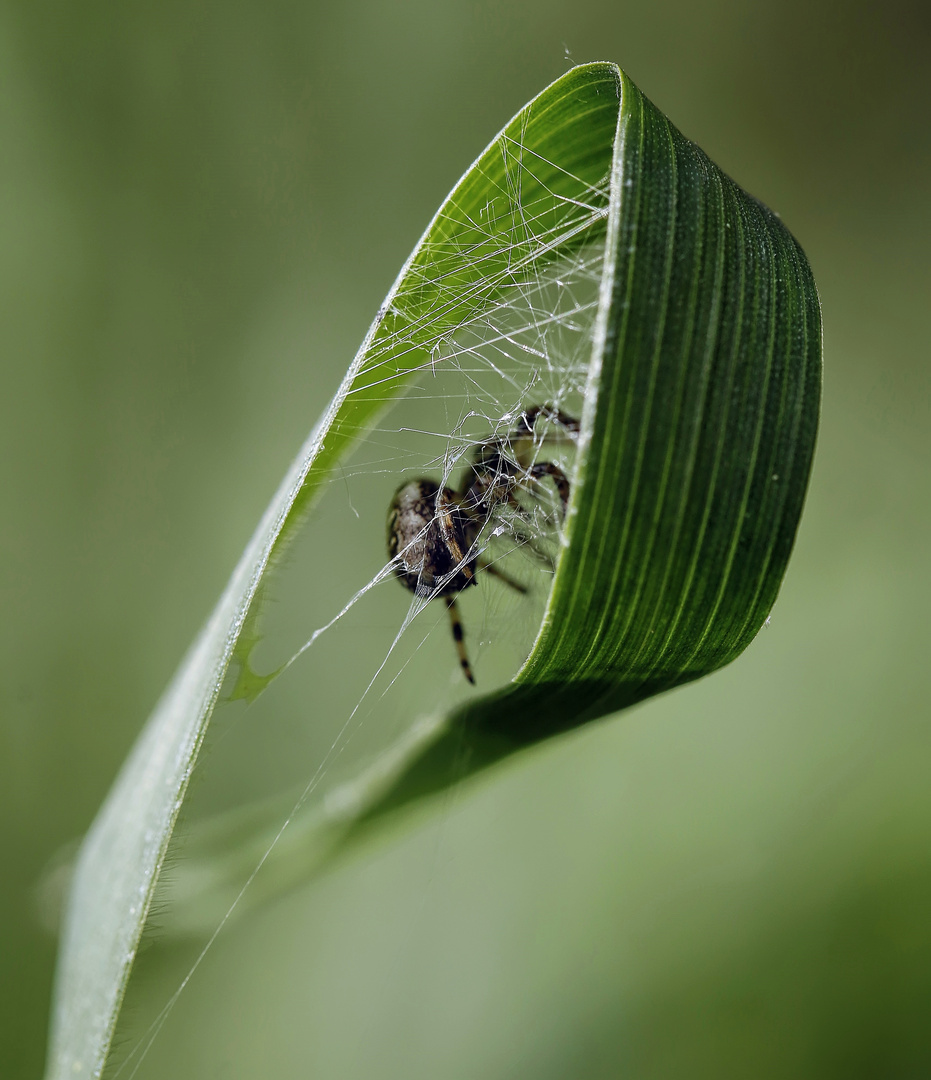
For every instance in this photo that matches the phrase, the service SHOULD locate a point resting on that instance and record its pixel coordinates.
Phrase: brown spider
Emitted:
(432, 531)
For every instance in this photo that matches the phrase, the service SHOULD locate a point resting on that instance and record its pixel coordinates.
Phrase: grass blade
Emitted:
(701, 407)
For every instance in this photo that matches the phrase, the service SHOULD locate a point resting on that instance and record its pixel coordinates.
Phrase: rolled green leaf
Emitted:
(701, 412)
(701, 400)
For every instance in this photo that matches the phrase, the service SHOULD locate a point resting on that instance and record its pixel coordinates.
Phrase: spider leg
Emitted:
(503, 460)
(444, 518)
(559, 478)
(549, 412)
(456, 624)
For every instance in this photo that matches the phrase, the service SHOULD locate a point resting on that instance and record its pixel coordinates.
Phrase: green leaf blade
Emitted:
(697, 438)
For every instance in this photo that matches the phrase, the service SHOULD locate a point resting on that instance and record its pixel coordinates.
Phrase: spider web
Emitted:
(361, 655)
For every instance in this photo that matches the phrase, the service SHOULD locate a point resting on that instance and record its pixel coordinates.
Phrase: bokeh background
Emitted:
(202, 207)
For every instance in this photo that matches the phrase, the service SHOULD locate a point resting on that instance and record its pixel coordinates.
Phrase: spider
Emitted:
(432, 531)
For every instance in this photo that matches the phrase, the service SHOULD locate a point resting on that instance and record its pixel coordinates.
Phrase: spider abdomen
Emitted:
(425, 527)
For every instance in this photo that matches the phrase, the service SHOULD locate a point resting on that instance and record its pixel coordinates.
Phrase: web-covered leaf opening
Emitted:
(505, 325)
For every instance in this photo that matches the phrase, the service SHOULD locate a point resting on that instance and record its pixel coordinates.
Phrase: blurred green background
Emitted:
(202, 208)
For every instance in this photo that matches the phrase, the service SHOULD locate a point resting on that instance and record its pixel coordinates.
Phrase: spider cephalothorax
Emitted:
(433, 531)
